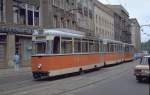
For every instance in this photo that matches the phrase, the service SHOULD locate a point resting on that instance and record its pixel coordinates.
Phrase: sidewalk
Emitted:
(11, 71)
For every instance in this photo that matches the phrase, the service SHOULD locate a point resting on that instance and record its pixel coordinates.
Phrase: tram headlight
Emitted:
(39, 66)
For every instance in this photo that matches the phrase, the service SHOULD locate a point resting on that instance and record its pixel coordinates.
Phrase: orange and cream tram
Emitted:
(63, 51)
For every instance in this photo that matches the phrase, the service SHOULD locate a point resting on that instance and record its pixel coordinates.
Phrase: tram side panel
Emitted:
(63, 64)
(110, 58)
(128, 56)
(119, 57)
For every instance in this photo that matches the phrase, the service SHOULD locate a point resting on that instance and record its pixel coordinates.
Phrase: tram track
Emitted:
(86, 79)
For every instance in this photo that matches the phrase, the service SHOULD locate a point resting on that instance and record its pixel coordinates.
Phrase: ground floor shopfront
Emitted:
(11, 43)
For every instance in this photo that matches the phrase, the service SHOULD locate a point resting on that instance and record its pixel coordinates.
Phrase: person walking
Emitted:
(16, 61)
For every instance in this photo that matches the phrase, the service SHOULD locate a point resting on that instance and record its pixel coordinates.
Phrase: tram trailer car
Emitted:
(64, 51)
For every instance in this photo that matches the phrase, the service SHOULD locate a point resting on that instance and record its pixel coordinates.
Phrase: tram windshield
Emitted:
(40, 47)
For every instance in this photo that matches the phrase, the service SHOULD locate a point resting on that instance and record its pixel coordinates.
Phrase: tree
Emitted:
(146, 45)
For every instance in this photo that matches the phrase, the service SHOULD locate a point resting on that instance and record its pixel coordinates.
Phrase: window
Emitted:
(90, 14)
(2, 38)
(41, 48)
(66, 45)
(25, 14)
(126, 49)
(96, 18)
(62, 22)
(68, 23)
(55, 21)
(96, 46)
(57, 2)
(22, 16)
(1, 11)
(105, 48)
(74, 25)
(111, 48)
(85, 11)
(84, 46)
(36, 18)
(67, 1)
(16, 12)
(77, 46)
(91, 46)
(30, 17)
(101, 46)
(80, 7)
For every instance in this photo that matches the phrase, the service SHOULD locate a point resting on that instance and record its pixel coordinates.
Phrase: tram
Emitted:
(63, 51)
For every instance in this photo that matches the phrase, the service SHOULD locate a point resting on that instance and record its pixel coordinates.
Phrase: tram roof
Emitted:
(113, 41)
(59, 32)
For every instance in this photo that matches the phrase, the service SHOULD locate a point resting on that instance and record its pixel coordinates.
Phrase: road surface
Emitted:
(116, 80)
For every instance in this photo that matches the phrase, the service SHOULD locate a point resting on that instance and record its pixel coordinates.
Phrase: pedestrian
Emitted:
(16, 61)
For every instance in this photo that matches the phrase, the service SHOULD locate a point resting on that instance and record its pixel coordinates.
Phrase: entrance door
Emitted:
(2, 50)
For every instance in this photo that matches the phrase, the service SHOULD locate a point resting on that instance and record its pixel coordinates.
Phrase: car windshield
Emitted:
(144, 60)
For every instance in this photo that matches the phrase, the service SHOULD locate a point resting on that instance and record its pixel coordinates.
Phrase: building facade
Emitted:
(58, 14)
(85, 16)
(121, 23)
(104, 21)
(135, 34)
(17, 18)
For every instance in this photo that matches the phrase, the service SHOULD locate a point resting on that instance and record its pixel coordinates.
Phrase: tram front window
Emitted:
(39, 48)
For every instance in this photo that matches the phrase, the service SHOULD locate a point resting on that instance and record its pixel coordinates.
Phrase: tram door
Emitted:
(56, 45)
(2, 49)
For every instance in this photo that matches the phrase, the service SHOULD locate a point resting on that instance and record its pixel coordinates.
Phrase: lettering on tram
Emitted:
(64, 51)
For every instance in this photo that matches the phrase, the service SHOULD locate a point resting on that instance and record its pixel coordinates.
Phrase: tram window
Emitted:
(120, 48)
(126, 48)
(40, 48)
(105, 48)
(66, 46)
(116, 48)
(91, 46)
(84, 46)
(77, 46)
(111, 48)
(101, 47)
(96, 47)
(129, 49)
(108, 48)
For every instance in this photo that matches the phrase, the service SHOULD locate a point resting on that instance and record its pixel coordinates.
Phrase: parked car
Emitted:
(142, 70)
(138, 56)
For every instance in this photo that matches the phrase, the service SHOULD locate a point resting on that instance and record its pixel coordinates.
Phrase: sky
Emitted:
(139, 9)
